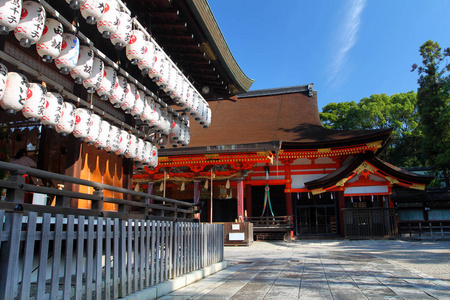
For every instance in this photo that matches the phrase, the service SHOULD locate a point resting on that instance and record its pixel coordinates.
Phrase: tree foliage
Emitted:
(433, 103)
(382, 111)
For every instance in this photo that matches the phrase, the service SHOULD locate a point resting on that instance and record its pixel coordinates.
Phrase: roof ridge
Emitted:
(276, 91)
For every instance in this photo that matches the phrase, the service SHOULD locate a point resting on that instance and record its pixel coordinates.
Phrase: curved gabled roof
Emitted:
(352, 163)
(208, 22)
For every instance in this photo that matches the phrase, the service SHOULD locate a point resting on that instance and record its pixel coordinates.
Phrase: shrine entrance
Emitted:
(315, 214)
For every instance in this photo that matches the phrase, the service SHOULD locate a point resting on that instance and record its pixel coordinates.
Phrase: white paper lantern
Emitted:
(154, 158)
(195, 103)
(112, 144)
(107, 83)
(93, 82)
(94, 129)
(3, 76)
(202, 112)
(183, 91)
(53, 108)
(166, 124)
(132, 147)
(75, 4)
(147, 61)
(196, 114)
(92, 10)
(66, 123)
(138, 108)
(83, 69)
(118, 95)
(34, 106)
(155, 70)
(108, 23)
(150, 155)
(175, 131)
(102, 140)
(186, 136)
(49, 46)
(182, 136)
(207, 119)
(163, 79)
(15, 92)
(178, 88)
(189, 99)
(147, 152)
(136, 47)
(82, 123)
(68, 58)
(124, 141)
(121, 37)
(130, 98)
(169, 88)
(148, 109)
(10, 11)
(31, 24)
(140, 150)
(155, 118)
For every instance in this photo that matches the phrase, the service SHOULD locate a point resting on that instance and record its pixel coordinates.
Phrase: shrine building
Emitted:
(273, 140)
(147, 95)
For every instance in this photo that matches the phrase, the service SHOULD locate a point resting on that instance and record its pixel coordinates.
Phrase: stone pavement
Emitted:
(329, 269)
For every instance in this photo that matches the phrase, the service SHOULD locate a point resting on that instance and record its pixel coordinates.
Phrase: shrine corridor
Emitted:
(331, 269)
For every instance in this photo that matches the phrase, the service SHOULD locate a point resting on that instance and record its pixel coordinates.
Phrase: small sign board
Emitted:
(235, 226)
(236, 236)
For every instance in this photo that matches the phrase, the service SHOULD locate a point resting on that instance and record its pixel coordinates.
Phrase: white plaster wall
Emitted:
(298, 181)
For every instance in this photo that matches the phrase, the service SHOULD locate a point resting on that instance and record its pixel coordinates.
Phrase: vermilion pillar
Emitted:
(289, 210)
(240, 199)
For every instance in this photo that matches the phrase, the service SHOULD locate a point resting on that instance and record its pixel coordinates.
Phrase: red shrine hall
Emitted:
(267, 154)
(171, 114)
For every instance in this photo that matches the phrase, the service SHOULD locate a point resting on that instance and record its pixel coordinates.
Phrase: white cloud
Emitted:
(346, 38)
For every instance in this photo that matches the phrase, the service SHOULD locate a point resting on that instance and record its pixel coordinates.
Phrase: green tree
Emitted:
(382, 111)
(335, 115)
(433, 102)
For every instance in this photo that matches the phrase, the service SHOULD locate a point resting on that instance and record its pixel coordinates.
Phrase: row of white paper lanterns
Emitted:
(79, 61)
(36, 103)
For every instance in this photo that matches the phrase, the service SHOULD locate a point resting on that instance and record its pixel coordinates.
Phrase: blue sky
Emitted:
(349, 49)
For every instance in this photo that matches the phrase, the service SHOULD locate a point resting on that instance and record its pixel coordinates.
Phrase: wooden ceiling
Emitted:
(176, 29)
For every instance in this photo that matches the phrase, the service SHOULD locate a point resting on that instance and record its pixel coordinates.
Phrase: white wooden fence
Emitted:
(73, 257)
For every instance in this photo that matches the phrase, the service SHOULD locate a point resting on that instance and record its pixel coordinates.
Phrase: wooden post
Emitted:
(197, 189)
(341, 205)
(240, 199)
(98, 205)
(9, 254)
(248, 200)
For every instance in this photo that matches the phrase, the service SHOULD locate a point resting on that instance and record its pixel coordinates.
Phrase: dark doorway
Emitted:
(225, 210)
(315, 214)
(277, 199)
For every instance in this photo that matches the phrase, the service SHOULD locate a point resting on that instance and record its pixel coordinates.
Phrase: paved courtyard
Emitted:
(329, 269)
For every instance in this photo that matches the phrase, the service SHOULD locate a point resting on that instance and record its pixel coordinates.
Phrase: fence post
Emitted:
(9, 256)
(9, 253)
(98, 205)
